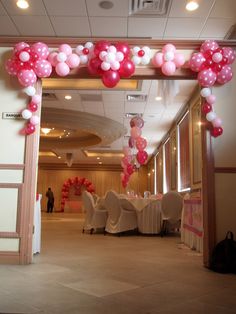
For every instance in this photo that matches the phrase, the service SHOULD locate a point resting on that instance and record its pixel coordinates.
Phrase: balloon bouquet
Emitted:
(134, 154)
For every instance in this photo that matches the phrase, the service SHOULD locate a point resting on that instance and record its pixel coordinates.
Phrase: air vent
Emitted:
(136, 98)
(91, 97)
(149, 7)
(130, 115)
(231, 35)
(49, 96)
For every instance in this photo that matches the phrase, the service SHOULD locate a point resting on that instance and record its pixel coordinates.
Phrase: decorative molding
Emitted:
(87, 167)
(9, 257)
(225, 169)
(12, 166)
(9, 235)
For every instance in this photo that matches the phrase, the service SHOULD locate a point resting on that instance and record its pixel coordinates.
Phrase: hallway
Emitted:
(85, 274)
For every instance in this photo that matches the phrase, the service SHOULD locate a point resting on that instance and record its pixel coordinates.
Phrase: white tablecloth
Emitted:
(36, 245)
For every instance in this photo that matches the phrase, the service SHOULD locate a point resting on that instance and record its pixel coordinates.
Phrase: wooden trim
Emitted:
(9, 257)
(10, 185)
(225, 169)
(12, 166)
(7, 41)
(9, 235)
(87, 167)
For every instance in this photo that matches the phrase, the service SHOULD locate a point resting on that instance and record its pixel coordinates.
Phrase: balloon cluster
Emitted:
(141, 55)
(168, 60)
(134, 154)
(111, 62)
(213, 65)
(78, 184)
(29, 63)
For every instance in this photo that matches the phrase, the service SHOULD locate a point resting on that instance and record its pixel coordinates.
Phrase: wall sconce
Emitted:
(46, 130)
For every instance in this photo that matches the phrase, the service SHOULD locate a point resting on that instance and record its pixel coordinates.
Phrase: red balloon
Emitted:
(30, 128)
(123, 47)
(216, 131)
(141, 143)
(206, 107)
(127, 68)
(131, 142)
(142, 157)
(130, 169)
(32, 106)
(110, 78)
(102, 45)
(94, 66)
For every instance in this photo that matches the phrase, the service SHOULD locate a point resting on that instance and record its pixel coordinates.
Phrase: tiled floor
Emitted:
(86, 274)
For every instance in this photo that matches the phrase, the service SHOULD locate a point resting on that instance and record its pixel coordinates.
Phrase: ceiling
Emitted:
(160, 19)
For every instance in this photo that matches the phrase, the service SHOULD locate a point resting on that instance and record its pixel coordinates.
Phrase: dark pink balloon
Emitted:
(209, 45)
(32, 106)
(225, 75)
(94, 66)
(141, 143)
(229, 53)
(206, 78)
(30, 128)
(131, 142)
(102, 45)
(130, 169)
(127, 68)
(110, 78)
(43, 68)
(196, 61)
(142, 157)
(137, 121)
(12, 66)
(216, 131)
(123, 47)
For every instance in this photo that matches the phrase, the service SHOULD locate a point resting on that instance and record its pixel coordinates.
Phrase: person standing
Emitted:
(50, 203)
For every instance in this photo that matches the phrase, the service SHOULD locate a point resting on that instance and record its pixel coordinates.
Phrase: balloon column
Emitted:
(213, 65)
(111, 62)
(29, 63)
(134, 154)
(78, 184)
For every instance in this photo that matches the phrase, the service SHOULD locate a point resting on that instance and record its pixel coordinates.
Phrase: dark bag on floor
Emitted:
(223, 258)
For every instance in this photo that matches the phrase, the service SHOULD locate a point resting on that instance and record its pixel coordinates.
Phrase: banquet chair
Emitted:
(94, 218)
(119, 219)
(171, 207)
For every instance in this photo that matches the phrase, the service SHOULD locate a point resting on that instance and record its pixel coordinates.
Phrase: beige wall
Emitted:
(102, 180)
(225, 156)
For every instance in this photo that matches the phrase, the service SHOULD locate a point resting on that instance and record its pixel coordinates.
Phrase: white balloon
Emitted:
(112, 49)
(102, 55)
(24, 56)
(79, 49)
(145, 59)
(210, 116)
(146, 49)
(110, 57)
(169, 56)
(217, 57)
(115, 65)
(88, 45)
(205, 92)
(136, 60)
(119, 56)
(105, 66)
(135, 50)
(61, 57)
(26, 114)
(83, 59)
(30, 90)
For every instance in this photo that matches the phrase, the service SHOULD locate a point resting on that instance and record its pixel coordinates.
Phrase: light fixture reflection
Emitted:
(45, 130)
(68, 97)
(22, 4)
(158, 98)
(192, 5)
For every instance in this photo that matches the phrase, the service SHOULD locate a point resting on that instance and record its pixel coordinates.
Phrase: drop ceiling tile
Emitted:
(2, 10)
(134, 107)
(71, 26)
(216, 28)
(42, 25)
(146, 27)
(93, 107)
(53, 104)
(120, 8)
(36, 7)
(178, 9)
(114, 107)
(66, 7)
(77, 106)
(7, 28)
(184, 27)
(109, 96)
(108, 26)
(224, 9)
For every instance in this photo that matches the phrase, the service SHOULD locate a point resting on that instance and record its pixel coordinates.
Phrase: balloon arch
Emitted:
(79, 184)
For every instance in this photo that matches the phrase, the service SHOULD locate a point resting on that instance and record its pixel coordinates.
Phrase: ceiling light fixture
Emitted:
(192, 5)
(22, 4)
(106, 5)
(68, 97)
(45, 130)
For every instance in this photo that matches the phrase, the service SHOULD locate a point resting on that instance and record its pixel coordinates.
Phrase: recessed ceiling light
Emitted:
(100, 162)
(59, 157)
(158, 98)
(192, 5)
(106, 5)
(98, 158)
(68, 97)
(22, 4)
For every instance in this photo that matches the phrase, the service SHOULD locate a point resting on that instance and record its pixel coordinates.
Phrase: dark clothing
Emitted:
(50, 203)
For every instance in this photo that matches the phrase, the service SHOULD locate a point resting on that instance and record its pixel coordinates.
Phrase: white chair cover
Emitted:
(94, 218)
(150, 218)
(119, 219)
(171, 206)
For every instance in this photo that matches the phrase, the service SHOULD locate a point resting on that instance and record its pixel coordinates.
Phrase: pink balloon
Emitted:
(126, 160)
(34, 120)
(41, 49)
(36, 99)
(43, 68)
(158, 59)
(131, 142)
(141, 143)
(225, 75)
(217, 122)
(230, 54)
(52, 58)
(209, 45)
(19, 46)
(168, 47)
(137, 121)
(211, 99)
(168, 68)
(73, 61)
(11, 67)
(196, 61)
(142, 157)
(206, 78)
(62, 69)
(66, 49)
(126, 150)
(27, 77)
(179, 59)
(130, 169)
(135, 132)
(110, 78)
